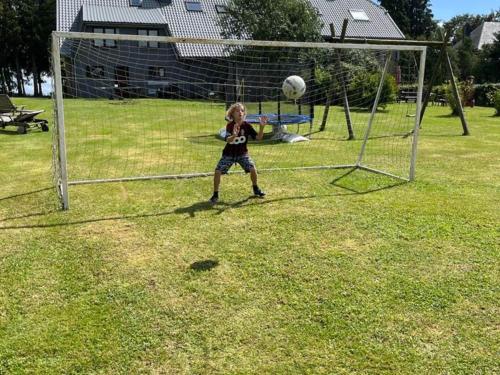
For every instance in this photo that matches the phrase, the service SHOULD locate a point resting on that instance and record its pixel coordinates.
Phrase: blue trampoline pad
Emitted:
(275, 119)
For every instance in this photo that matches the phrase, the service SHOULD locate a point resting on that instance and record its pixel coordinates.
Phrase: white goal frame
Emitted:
(60, 161)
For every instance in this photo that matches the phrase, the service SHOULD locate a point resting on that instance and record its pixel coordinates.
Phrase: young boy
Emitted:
(237, 133)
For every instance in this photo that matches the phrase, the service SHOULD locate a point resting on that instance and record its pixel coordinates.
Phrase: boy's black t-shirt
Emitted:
(239, 146)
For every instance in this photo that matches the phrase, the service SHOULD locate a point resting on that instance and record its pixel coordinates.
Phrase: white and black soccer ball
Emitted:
(294, 87)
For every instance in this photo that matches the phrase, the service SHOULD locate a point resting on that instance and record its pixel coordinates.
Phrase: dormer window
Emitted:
(359, 15)
(193, 6)
(220, 8)
(135, 3)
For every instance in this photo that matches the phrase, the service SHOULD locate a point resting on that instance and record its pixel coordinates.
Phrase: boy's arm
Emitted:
(263, 122)
(234, 134)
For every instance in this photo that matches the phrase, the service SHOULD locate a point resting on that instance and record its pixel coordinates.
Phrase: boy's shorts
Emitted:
(226, 162)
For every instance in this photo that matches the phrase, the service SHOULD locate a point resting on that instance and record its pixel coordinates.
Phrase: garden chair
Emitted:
(10, 115)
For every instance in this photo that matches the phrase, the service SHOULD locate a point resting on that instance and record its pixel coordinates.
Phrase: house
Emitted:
(484, 34)
(179, 18)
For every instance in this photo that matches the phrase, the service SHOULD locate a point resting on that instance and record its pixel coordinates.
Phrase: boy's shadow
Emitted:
(220, 207)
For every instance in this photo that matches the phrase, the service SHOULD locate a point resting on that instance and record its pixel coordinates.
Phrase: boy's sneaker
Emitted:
(257, 192)
(214, 199)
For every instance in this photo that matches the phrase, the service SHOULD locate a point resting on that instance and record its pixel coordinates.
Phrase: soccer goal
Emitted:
(132, 107)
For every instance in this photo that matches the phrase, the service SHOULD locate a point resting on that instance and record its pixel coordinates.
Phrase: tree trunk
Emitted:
(40, 84)
(3, 81)
(19, 79)
(35, 77)
(7, 80)
(22, 84)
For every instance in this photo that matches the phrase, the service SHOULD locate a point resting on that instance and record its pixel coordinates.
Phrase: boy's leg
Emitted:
(217, 175)
(222, 167)
(215, 196)
(253, 176)
(248, 166)
(255, 186)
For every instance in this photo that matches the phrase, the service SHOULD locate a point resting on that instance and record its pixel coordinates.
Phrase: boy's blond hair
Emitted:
(229, 113)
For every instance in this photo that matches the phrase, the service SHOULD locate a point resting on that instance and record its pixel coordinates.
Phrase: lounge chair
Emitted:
(10, 115)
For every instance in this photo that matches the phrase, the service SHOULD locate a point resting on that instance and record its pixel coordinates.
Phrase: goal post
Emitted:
(130, 107)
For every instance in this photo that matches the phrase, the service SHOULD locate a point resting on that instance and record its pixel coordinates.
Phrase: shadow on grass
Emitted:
(347, 181)
(440, 135)
(26, 193)
(37, 198)
(350, 181)
(9, 132)
(204, 265)
(13, 131)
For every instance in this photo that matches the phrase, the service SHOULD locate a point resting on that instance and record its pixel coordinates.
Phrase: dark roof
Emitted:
(130, 15)
(183, 23)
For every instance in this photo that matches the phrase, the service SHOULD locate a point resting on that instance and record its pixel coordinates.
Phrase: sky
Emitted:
(46, 87)
(444, 10)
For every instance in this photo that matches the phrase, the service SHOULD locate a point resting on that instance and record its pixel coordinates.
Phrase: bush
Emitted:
(484, 93)
(452, 101)
(440, 91)
(465, 91)
(363, 89)
(496, 102)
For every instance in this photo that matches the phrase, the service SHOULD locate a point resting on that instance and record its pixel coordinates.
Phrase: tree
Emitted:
(468, 22)
(282, 20)
(413, 17)
(488, 67)
(25, 27)
(466, 59)
(38, 21)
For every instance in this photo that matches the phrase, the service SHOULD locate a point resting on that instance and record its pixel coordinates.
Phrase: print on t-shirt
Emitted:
(239, 145)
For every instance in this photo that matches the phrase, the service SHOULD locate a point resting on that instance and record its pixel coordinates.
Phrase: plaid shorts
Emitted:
(227, 161)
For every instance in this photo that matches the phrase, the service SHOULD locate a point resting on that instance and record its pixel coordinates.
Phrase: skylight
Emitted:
(220, 8)
(193, 6)
(135, 3)
(359, 15)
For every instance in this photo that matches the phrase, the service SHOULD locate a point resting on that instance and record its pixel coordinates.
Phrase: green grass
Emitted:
(334, 272)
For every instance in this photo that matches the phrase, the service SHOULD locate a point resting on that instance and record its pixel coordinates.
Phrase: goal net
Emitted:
(142, 107)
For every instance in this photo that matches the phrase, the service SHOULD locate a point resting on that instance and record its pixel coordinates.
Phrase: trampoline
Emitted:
(279, 119)
(279, 122)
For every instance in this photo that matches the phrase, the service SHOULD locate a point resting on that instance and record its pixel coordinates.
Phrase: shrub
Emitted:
(484, 93)
(496, 102)
(363, 89)
(452, 101)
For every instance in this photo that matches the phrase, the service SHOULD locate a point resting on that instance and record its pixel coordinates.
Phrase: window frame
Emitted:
(157, 72)
(221, 8)
(148, 32)
(110, 43)
(192, 2)
(359, 15)
(91, 69)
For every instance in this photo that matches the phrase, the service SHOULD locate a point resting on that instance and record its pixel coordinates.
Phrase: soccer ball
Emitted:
(294, 87)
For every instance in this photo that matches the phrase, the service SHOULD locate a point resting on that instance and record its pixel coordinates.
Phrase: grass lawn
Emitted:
(334, 272)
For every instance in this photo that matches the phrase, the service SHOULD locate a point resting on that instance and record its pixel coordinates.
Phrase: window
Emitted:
(135, 3)
(95, 71)
(221, 8)
(359, 15)
(193, 6)
(157, 72)
(104, 42)
(149, 33)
